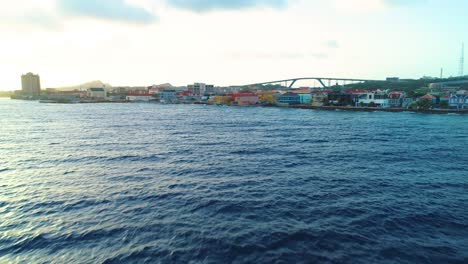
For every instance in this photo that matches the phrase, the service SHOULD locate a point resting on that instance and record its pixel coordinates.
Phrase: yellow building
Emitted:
(318, 99)
(223, 100)
(266, 97)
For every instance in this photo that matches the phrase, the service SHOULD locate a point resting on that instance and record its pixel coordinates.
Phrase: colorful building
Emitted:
(267, 97)
(168, 96)
(319, 97)
(305, 98)
(459, 100)
(373, 99)
(430, 98)
(289, 98)
(245, 98)
(395, 99)
(222, 99)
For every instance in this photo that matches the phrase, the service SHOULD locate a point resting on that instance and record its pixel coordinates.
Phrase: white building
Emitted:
(459, 100)
(201, 88)
(140, 97)
(30, 84)
(377, 99)
(99, 93)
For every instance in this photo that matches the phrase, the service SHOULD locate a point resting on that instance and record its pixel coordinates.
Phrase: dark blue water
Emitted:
(145, 183)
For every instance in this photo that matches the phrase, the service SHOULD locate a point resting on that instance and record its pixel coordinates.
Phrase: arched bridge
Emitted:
(321, 80)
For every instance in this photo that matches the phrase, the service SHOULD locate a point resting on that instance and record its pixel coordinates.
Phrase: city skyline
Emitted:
(141, 42)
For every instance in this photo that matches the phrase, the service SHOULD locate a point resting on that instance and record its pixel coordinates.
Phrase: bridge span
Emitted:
(321, 80)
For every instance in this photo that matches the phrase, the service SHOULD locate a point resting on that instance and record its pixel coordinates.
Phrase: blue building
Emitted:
(289, 99)
(168, 96)
(458, 101)
(305, 99)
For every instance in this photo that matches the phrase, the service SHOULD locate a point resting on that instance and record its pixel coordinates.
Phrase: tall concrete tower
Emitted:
(31, 84)
(461, 69)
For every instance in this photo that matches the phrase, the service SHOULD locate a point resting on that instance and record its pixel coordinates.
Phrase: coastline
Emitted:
(377, 109)
(310, 107)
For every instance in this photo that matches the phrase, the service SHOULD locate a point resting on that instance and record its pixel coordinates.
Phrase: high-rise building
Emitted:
(31, 84)
(201, 88)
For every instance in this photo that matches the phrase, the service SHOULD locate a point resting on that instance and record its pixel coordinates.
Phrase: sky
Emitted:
(232, 42)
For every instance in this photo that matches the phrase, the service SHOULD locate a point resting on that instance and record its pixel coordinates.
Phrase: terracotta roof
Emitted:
(428, 96)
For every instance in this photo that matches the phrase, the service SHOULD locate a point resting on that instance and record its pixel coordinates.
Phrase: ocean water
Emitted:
(147, 183)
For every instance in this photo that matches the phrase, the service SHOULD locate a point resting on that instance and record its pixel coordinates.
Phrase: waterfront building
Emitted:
(267, 97)
(289, 98)
(373, 99)
(139, 97)
(459, 100)
(186, 97)
(319, 97)
(223, 99)
(209, 89)
(168, 96)
(341, 99)
(57, 96)
(407, 102)
(305, 98)
(119, 90)
(245, 98)
(97, 93)
(201, 88)
(445, 99)
(30, 84)
(395, 99)
(156, 88)
(124, 90)
(429, 97)
(76, 93)
(60, 98)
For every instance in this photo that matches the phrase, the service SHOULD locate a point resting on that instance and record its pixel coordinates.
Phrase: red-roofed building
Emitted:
(356, 91)
(428, 97)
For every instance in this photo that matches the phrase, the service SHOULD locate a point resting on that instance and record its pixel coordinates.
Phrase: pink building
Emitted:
(245, 98)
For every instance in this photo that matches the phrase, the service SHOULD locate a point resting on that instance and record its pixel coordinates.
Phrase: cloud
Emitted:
(207, 5)
(50, 13)
(118, 10)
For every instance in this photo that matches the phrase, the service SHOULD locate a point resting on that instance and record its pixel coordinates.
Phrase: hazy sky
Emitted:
(142, 42)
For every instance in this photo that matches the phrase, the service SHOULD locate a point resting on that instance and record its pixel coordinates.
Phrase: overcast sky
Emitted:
(144, 42)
